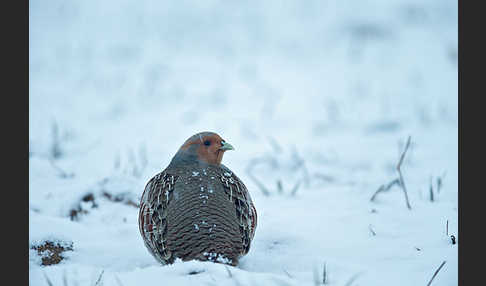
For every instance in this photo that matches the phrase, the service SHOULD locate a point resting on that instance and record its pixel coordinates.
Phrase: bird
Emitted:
(197, 208)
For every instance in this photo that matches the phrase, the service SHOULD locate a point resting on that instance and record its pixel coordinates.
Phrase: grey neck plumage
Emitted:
(186, 157)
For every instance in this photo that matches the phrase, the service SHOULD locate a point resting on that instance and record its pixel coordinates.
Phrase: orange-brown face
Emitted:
(208, 146)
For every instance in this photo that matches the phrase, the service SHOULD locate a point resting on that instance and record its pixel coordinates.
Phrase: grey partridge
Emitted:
(197, 208)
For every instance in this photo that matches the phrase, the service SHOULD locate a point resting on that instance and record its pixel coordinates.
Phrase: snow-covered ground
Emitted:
(321, 95)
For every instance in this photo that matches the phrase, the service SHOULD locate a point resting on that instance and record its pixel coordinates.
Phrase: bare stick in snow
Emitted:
(259, 184)
(402, 182)
(371, 230)
(63, 174)
(436, 271)
(279, 186)
(316, 277)
(288, 274)
(48, 280)
(118, 280)
(229, 272)
(301, 165)
(351, 280)
(64, 278)
(99, 278)
(231, 276)
(440, 181)
(56, 151)
(385, 188)
(447, 227)
(295, 188)
(324, 274)
(276, 147)
(431, 190)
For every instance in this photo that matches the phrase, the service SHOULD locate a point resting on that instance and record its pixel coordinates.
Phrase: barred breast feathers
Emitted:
(167, 244)
(153, 214)
(245, 210)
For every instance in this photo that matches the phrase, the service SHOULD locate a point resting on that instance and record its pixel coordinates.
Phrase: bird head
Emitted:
(207, 147)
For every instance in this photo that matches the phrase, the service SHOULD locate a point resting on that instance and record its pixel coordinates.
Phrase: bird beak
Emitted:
(226, 146)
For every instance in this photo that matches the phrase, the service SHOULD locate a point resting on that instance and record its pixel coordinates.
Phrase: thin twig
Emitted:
(402, 182)
(431, 190)
(288, 274)
(385, 188)
(62, 173)
(351, 280)
(259, 184)
(56, 151)
(380, 189)
(447, 227)
(229, 272)
(324, 274)
(323, 177)
(295, 188)
(279, 186)
(371, 230)
(316, 277)
(301, 165)
(231, 276)
(99, 278)
(436, 271)
(276, 147)
(118, 280)
(306, 174)
(48, 280)
(439, 184)
(64, 278)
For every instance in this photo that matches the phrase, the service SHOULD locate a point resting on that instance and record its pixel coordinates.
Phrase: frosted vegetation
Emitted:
(317, 97)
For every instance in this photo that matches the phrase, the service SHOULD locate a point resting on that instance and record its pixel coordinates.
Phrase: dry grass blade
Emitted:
(259, 184)
(56, 151)
(295, 188)
(229, 272)
(288, 274)
(316, 277)
(324, 274)
(385, 188)
(380, 189)
(431, 191)
(48, 280)
(99, 278)
(352, 279)
(435, 274)
(62, 174)
(231, 275)
(64, 278)
(371, 230)
(118, 280)
(402, 182)
(275, 146)
(279, 187)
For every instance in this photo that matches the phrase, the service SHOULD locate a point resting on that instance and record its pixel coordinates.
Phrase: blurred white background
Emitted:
(115, 87)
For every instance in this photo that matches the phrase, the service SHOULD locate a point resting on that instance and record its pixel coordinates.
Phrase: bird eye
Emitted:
(207, 143)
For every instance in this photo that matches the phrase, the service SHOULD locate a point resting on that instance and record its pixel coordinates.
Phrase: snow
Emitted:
(318, 98)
